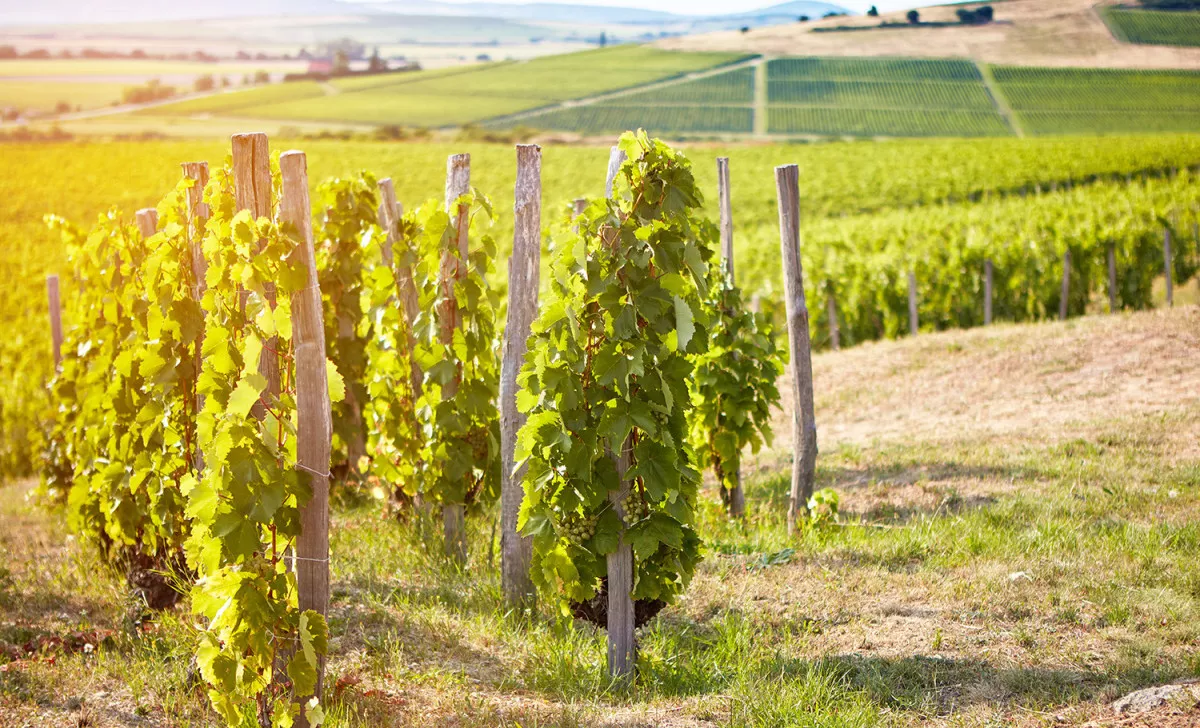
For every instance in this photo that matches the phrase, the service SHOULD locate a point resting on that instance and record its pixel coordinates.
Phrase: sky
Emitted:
(699, 7)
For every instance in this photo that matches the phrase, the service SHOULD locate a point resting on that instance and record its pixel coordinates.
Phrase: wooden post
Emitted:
(524, 272)
(390, 213)
(314, 416)
(831, 312)
(252, 191)
(736, 495)
(987, 292)
(622, 647)
(1168, 267)
(197, 218)
(56, 332)
(1112, 278)
(579, 206)
(453, 268)
(726, 204)
(147, 221)
(1066, 286)
(914, 323)
(804, 423)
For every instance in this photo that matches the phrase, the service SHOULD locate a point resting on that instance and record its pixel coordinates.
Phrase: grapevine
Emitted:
(607, 370)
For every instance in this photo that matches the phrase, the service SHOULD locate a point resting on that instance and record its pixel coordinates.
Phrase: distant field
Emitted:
(44, 96)
(1091, 101)
(1155, 27)
(666, 119)
(73, 67)
(448, 97)
(880, 97)
(717, 104)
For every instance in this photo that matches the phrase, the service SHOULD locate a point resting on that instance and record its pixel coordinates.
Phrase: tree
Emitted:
(341, 63)
(914, 17)
(603, 39)
(985, 14)
(803, 18)
(376, 64)
(205, 83)
(873, 12)
(262, 77)
(745, 28)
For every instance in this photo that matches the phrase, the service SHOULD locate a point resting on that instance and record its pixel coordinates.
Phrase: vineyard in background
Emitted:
(1154, 27)
(938, 209)
(1081, 100)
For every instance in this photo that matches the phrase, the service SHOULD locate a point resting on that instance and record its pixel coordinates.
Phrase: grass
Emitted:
(1153, 27)
(1091, 101)
(46, 95)
(445, 98)
(880, 97)
(979, 576)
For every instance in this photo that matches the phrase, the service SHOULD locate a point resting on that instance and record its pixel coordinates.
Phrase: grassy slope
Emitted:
(439, 98)
(1030, 32)
(1018, 541)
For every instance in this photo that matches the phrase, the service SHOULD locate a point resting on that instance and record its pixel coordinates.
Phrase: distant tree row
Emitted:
(1172, 4)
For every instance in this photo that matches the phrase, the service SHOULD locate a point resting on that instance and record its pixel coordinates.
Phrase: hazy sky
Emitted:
(690, 7)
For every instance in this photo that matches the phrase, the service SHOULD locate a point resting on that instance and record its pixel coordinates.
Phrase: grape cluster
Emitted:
(477, 439)
(635, 507)
(577, 529)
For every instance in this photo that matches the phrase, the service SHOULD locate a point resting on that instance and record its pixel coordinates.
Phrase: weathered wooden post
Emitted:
(56, 332)
(726, 204)
(314, 415)
(1168, 267)
(197, 218)
(252, 191)
(147, 222)
(1066, 286)
(1112, 278)
(524, 273)
(737, 495)
(390, 212)
(831, 312)
(454, 268)
(914, 323)
(622, 649)
(987, 292)
(804, 423)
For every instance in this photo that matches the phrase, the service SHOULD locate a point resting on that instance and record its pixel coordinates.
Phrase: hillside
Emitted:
(1015, 548)
(1026, 32)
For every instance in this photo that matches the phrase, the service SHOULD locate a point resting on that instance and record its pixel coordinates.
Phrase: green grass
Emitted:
(45, 96)
(734, 87)
(880, 97)
(904, 614)
(1154, 27)
(880, 94)
(236, 102)
(872, 69)
(1100, 101)
(837, 121)
(444, 98)
(668, 119)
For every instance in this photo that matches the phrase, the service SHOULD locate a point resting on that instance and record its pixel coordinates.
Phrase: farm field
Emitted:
(880, 97)
(1081, 101)
(1154, 27)
(1016, 543)
(439, 98)
(45, 96)
(721, 103)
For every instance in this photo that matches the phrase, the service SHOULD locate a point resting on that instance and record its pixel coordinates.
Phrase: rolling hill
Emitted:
(1026, 32)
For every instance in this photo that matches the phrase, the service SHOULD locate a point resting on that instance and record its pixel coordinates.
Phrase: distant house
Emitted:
(320, 67)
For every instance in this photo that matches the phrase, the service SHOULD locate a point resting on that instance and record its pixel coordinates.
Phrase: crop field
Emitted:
(1154, 27)
(46, 95)
(880, 97)
(717, 104)
(1089, 101)
(439, 98)
(1005, 516)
